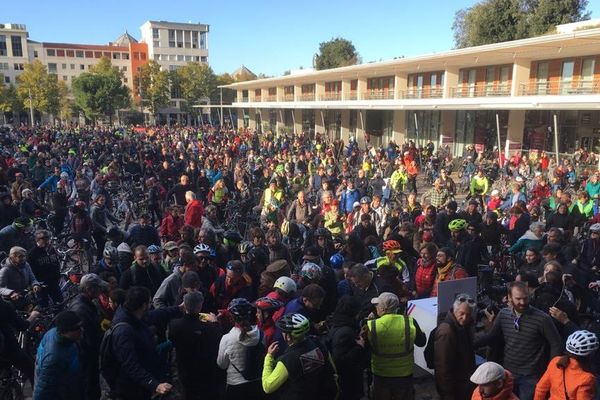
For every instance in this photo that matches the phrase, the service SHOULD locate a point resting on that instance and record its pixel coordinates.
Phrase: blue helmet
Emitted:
(336, 261)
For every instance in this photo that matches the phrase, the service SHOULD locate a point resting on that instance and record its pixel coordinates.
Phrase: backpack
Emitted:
(109, 367)
(255, 359)
(429, 352)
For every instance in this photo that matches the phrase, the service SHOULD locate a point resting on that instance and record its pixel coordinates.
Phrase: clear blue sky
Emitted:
(267, 36)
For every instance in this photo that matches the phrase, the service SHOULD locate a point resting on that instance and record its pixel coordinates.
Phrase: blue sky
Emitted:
(267, 36)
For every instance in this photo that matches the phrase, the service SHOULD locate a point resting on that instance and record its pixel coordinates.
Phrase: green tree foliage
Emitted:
(228, 94)
(100, 92)
(198, 82)
(38, 87)
(335, 53)
(493, 21)
(153, 86)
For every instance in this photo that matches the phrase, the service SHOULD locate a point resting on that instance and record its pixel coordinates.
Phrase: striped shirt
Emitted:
(526, 339)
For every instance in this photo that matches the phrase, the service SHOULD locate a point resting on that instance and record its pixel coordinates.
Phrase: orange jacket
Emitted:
(505, 394)
(581, 385)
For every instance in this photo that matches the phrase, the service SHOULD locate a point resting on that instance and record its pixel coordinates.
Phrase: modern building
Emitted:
(171, 44)
(453, 98)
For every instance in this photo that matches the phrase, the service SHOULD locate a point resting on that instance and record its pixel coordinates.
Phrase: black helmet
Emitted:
(241, 308)
(322, 232)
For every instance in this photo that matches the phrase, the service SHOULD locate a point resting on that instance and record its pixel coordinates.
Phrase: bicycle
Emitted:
(12, 382)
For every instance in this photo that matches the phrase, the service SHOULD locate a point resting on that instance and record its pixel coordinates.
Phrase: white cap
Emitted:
(495, 192)
(487, 372)
(124, 247)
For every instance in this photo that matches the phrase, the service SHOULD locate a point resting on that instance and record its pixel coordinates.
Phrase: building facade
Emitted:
(453, 98)
(171, 44)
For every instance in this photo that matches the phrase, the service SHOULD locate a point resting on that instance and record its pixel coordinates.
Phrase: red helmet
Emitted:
(392, 245)
(80, 204)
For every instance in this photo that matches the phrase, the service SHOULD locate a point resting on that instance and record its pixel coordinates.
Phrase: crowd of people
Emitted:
(235, 264)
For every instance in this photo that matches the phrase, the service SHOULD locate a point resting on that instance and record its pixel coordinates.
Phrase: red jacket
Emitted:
(424, 277)
(169, 228)
(194, 211)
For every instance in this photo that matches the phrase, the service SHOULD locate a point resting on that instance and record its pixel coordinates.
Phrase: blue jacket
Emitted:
(58, 371)
(146, 235)
(51, 181)
(348, 198)
(509, 202)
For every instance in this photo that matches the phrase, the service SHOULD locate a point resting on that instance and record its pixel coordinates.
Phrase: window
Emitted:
(124, 68)
(106, 54)
(17, 49)
(172, 57)
(52, 68)
(188, 58)
(89, 54)
(156, 57)
(19, 67)
(64, 66)
(7, 79)
(156, 43)
(194, 40)
(3, 51)
(180, 57)
(3, 66)
(81, 67)
(50, 52)
(65, 78)
(204, 59)
(60, 53)
(568, 68)
(79, 54)
(125, 56)
(587, 71)
(97, 54)
(504, 78)
(72, 66)
(35, 54)
(70, 53)
(142, 56)
(136, 55)
(187, 39)
(116, 56)
(171, 37)
(125, 80)
(155, 33)
(203, 40)
(197, 58)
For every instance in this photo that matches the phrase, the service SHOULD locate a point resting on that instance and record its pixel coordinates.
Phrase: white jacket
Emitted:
(233, 351)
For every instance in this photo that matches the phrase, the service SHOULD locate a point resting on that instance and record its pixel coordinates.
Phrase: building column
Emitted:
(319, 121)
(240, 118)
(280, 119)
(361, 88)
(264, 119)
(361, 122)
(345, 129)
(319, 90)
(447, 129)
(252, 119)
(450, 81)
(297, 119)
(399, 127)
(400, 82)
(520, 75)
(516, 126)
(346, 89)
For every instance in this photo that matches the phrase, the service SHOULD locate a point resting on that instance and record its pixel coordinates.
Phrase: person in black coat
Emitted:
(347, 347)
(142, 273)
(10, 350)
(90, 287)
(196, 344)
(45, 264)
(139, 370)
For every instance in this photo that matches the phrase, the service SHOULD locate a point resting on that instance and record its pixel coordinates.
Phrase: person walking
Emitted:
(493, 383)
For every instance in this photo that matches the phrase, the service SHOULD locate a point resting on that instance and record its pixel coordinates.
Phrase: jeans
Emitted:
(524, 386)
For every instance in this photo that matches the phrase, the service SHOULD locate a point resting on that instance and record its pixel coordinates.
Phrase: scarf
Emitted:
(442, 272)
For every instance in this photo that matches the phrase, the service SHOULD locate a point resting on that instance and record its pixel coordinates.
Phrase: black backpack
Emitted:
(109, 366)
(429, 352)
(255, 359)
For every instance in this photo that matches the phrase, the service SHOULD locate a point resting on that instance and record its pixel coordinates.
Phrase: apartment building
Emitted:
(452, 97)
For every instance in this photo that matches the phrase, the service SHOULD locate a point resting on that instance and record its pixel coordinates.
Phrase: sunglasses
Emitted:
(466, 299)
(516, 323)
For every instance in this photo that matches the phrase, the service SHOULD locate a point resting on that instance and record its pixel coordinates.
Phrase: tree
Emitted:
(493, 21)
(100, 92)
(65, 106)
(198, 82)
(153, 86)
(337, 52)
(228, 94)
(36, 87)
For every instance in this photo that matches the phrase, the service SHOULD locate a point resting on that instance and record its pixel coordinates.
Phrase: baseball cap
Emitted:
(170, 246)
(386, 300)
(487, 372)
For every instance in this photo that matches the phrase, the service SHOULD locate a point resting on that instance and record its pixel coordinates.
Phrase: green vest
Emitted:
(392, 354)
(399, 264)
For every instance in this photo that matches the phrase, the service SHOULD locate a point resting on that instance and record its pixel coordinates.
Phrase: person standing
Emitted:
(392, 338)
(58, 370)
(493, 383)
(45, 264)
(527, 334)
(454, 357)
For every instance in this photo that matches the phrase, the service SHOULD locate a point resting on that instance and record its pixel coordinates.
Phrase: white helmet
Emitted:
(595, 227)
(582, 343)
(286, 284)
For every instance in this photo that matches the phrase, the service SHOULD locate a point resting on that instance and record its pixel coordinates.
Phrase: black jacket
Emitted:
(92, 332)
(348, 356)
(45, 264)
(196, 345)
(148, 277)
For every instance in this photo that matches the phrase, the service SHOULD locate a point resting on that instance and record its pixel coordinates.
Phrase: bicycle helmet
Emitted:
(22, 222)
(311, 271)
(245, 247)
(111, 253)
(365, 200)
(202, 248)
(392, 245)
(153, 249)
(582, 343)
(294, 324)
(285, 228)
(267, 304)
(241, 308)
(457, 225)
(286, 284)
(595, 228)
(336, 261)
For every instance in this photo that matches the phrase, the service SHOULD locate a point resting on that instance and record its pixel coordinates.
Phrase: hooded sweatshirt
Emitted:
(232, 351)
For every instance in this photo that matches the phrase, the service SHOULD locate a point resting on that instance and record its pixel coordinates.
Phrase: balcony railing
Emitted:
(352, 95)
(562, 88)
(484, 90)
(242, 99)
(288, 97)
(330, 96)
(271, 97)
(378, 95)
(257, 98)
(423, 93)
(307, 97)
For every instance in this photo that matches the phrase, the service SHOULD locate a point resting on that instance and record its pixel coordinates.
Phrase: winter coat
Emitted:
(194, 211)
(527, 241)
(232, 351)
(170, 291)
(579, 383)
(15, 279)
(143, 235)
(149, 277)
(170, 226)
(454, 359)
